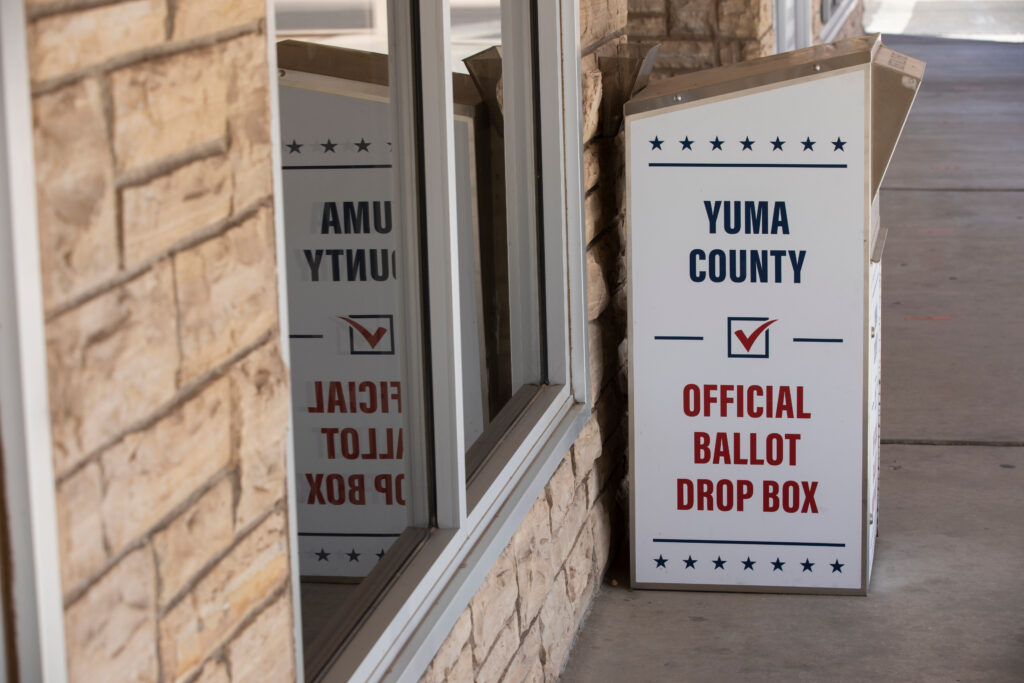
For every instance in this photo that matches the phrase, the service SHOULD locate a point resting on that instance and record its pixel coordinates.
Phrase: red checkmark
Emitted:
(371, 339)
(748, 341)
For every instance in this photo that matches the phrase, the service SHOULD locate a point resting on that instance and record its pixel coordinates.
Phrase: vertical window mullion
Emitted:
(438, 213)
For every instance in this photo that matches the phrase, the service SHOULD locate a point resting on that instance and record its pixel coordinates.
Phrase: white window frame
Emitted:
(29, 493)
(399, 637)
(830, 29)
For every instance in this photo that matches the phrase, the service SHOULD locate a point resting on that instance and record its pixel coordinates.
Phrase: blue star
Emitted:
(840, 146)
(807, 564)
(777, 565)
(362, 145)
(294, 147)
(690, 562)
(322, 555)
(660, 561)
(328, 146)
(748, 564)
(808, 144)
(687, 143)
(777, 143)
(719, 563)
(656, 143)
(747, 143)
(716, 143)
(837, 567)
(353, 556)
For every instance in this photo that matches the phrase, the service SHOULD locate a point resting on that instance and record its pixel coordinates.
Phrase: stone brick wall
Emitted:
(168, 396)
(522, 621)
(698, 34)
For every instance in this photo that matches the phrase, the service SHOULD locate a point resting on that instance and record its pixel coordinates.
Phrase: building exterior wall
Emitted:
(698, 34)
(168, 395)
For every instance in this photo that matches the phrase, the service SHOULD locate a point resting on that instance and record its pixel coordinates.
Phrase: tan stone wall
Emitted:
(698, 34)
(522, 621)
(168, 396)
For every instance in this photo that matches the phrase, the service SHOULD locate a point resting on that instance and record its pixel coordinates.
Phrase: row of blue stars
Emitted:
(839, 145)
(690, 563)
(353, 556)
(295, 147)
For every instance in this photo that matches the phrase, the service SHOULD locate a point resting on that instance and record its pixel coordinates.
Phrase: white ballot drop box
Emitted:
(754, 257)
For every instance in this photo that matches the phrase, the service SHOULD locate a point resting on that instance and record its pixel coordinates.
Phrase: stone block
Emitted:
(557, 629)
(111, 362)
(565, 534)
(692, 19)
(167, 106)
(248, 102)
(679, 56)
(591, 103)
(494, 604)
(60, 44)
(264, 651)
(248, 575)
(586, 449)
(744, 18)
(170, 208)
(761, 47)
(80, 527)
(504, 648)
(579, 570)
(593, 214)
(559, 492)
(149, 473)
(647, 26)
(648, 6)
(534, 569)
(601, 526)
(591, 164)
(259, 385)
(109, 630)
(214, 672)
(460, 670)
(452, 647)
(193, 539)
(193, 18)
(600, 19)
(526, 666)
(75, 186)
(227, 294)
(598, 295)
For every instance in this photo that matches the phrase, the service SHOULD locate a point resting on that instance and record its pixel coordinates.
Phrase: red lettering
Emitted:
(315, 481)
(701, 451)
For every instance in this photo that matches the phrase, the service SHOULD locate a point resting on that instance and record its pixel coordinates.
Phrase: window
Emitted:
(432, 238)
(834, 14)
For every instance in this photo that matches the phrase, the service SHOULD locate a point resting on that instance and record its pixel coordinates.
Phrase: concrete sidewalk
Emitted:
(946, 601)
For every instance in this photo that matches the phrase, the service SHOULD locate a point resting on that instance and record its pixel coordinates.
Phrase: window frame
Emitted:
(34, 607)
(416, 609)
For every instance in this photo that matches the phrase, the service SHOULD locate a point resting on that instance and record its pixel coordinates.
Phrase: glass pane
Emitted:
(493, 227)
(344, 265)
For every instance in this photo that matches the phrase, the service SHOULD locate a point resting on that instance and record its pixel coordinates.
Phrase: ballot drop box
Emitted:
(754, 255)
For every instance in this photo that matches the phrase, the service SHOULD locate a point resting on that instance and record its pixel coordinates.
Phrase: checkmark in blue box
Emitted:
(749, 337)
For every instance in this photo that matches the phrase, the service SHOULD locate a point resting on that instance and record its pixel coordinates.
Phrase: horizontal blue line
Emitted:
(667, 164)
(694, 540)
(666, 337)
(305, 336)
(301, 533)
(305, 168)
(823, 341)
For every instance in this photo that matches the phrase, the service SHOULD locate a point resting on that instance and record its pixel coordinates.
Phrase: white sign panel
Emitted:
(748, 261)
